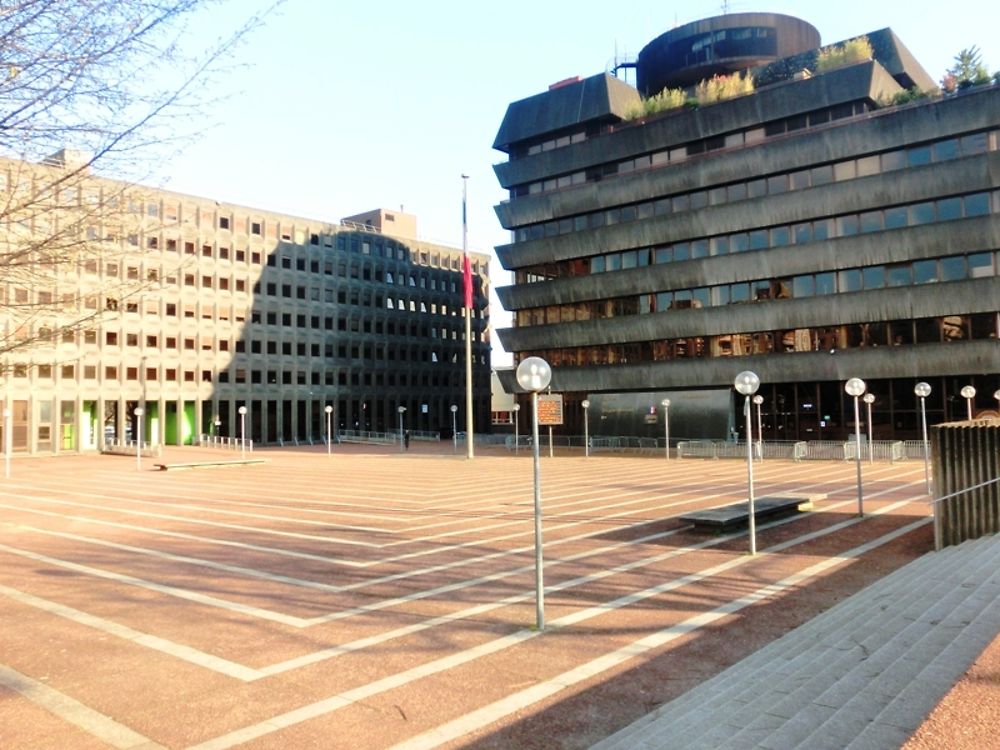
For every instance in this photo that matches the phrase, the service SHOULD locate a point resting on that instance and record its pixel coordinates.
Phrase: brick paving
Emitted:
(377, 599)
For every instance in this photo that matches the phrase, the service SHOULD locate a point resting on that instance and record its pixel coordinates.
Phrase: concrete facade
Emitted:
(811, 231)
(192, 308)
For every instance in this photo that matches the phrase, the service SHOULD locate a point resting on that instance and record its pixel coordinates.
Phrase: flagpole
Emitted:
(467, 294)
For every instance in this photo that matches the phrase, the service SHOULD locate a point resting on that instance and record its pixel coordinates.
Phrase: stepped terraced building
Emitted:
(811, 231)
(116, 296)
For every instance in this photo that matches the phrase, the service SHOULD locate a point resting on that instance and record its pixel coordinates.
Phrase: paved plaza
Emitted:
(373, 599)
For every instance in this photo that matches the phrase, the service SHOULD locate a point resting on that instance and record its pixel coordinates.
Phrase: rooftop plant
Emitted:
(851, 51)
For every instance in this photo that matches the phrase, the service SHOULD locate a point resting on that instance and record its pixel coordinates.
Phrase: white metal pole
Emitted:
(138, 439)
(857, 455)
(517, 434)
(469, 429)
(551, 454)
(760, 432)
(871, 444)
(7, 442)
(750, 499)
(329, 428)
(923, 428)
(586, 433)
(539, 578)
(666, 432)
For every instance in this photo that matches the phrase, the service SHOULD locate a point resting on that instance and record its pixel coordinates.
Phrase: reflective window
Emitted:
(924, 271)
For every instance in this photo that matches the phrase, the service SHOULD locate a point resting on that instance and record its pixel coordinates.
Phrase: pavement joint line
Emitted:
(146, 640)
(184, 559)
(96, 724)
(653, 473)
(212, 601)
(490, 713)
(201, 522)
(232, 669)
(384, 604)
(262, 516)
(329, 705)
(191, 537)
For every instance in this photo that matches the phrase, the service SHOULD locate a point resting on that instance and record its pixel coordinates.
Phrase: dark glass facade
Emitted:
(809, 231)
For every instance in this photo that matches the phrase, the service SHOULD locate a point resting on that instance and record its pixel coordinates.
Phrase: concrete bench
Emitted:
(738, 514)
(211, 464)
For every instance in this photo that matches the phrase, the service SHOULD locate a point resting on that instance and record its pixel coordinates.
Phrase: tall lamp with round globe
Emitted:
(586, 427)
(7, 441)
(922, 391)
(665, 403)
(139, 411)
(969, 394)
(855, 387)
(746, 384)
(517, 433)
(401, 410)
(869, 399)
(329, 431)
(243, 431)
(758, 402)
(454, 429)
(534, 375)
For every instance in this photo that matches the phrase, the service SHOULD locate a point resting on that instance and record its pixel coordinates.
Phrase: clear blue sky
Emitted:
(346, 106)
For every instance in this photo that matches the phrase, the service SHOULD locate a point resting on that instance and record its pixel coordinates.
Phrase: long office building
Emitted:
(118, 296)
(828, 221)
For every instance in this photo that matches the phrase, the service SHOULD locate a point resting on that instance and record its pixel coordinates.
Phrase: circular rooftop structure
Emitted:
(719, 46)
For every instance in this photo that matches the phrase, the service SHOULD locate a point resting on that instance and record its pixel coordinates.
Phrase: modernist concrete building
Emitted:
(813, 230)
(192, 308)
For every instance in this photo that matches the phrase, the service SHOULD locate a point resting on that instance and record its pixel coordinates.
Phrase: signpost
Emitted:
(550, 413)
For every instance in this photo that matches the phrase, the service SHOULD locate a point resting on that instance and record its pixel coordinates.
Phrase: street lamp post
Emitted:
(138, 437)
(855, 387)
(747, 383)
(758, 400)
(586, 427)
(869, 399)
(7, 442)
(402, 411)
(534, 375)
(218, 429)
(243, 431)
(517, 435)
(665, 403)
(923, 390)
(454, 429)
(329, 427)
(968, 393)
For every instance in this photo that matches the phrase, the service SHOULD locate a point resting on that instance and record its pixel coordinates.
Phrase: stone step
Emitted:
(770, 698)
(908, 649)
(900, 650)
(782, 659)
(907, 710)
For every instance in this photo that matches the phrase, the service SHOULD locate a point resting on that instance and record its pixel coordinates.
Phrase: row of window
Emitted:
(928, 271)
(67, 372)
(889, 161)
(684, 151)
(831, 338)
(951, 208)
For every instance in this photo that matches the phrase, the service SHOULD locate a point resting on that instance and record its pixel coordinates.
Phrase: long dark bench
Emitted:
(737, 515)
(211, 464)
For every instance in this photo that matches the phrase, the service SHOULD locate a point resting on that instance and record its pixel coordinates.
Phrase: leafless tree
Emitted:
(88, 87)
